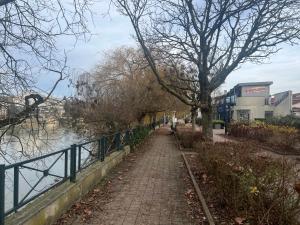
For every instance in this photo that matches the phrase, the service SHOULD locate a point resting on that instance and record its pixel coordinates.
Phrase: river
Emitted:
(25, 144)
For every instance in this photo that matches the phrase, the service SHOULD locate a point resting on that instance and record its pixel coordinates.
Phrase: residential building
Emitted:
(296, 104)
(252, 101)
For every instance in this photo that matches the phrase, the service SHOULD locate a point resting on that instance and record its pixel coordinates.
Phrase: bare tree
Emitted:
(212, 36)
(122, 91)
(28, 35)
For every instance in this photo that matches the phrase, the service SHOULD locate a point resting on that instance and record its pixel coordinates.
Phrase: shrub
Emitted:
(290, 120)
(218, 122)
(187, 137)
(138, 134)
(256, 188)
(221, 122)
(281, 136)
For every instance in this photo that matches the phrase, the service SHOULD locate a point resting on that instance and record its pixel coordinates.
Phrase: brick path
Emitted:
(152, 192)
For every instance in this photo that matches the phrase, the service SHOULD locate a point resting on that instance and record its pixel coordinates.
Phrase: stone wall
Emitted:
(49, 207)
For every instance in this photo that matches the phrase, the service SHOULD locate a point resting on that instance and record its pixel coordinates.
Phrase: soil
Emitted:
(206, 185)
(264, 146)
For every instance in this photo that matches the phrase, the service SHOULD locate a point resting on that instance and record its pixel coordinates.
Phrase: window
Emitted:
(243, 115)
(268, 114)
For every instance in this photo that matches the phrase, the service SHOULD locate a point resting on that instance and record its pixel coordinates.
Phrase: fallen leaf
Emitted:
(97, 190)
(239, 220)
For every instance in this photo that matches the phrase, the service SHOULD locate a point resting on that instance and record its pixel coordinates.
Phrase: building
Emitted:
(252, 101)
(10, 106)
(296, 104)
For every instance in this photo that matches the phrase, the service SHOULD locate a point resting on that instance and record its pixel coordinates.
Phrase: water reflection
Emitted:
(22, 144)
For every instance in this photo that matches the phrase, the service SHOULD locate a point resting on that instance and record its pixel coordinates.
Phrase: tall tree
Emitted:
(213, 37)
(28, 35)
(122, 91)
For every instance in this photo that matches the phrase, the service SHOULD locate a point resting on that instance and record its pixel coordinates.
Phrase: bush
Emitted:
(290, 121)
(221, 122)
(280, 136)
(187, 137)
(138, 134)
(255, 188)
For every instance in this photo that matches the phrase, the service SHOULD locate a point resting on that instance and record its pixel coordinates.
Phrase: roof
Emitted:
(266, 83)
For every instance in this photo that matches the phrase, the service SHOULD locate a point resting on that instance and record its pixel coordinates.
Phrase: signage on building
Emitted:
(255, 91)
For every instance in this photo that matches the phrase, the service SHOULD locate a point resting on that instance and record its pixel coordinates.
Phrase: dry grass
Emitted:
(255, 189)
(187, 137)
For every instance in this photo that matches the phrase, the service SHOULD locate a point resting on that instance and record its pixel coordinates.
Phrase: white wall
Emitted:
(250, 101)
(256, 112)
(285, 107)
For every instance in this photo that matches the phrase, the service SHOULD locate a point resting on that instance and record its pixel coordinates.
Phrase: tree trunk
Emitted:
(194, 115)
(206, 111)
(207, 128)
(140, 119)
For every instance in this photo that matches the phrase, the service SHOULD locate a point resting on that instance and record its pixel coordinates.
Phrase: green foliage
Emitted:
(138, 134)
(281, 136)
(249, 186)
(290, 120)
(221, 122)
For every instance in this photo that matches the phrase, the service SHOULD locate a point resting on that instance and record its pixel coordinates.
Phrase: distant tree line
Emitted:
(121, 91)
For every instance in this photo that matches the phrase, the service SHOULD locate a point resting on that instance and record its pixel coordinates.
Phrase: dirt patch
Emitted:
(263, 145)
(195, 209)
(242, 187)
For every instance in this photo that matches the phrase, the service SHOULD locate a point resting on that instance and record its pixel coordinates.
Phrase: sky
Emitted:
(113, 30)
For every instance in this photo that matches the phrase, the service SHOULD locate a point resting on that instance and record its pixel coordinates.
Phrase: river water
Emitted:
(25, 144)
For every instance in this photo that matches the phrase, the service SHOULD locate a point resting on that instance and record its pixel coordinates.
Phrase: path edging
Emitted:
(196, 186)
(199, 193)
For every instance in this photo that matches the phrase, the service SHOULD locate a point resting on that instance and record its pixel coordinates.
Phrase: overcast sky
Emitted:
(113, 30)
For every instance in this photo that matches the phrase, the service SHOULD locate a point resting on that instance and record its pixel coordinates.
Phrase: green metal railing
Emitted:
(71, 162)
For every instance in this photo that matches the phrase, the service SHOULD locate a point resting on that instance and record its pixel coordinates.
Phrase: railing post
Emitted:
(102, 149)
(118, 141)
(99, 149)
(66, 164)
(127, 137)
(73, 164)
(16, 187)
(2, 194)
(79, 157)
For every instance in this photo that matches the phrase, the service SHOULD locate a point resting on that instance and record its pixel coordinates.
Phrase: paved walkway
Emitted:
(153, 191)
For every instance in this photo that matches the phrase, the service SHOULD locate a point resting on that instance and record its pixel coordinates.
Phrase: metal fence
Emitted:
(68, 162)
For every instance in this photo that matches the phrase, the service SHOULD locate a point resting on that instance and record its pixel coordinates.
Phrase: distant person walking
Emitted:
(174, 123)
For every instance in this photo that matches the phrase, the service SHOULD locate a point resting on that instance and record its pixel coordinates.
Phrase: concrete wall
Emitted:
(256, 112)
(256, 106)
(250, 101)
(49, 207)
(285, 107)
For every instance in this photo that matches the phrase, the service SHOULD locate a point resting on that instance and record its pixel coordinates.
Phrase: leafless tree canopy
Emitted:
(28, 35)
(122, 91)
(213, 37)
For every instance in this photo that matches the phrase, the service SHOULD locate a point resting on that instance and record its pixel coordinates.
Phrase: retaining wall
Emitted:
(49, 207)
